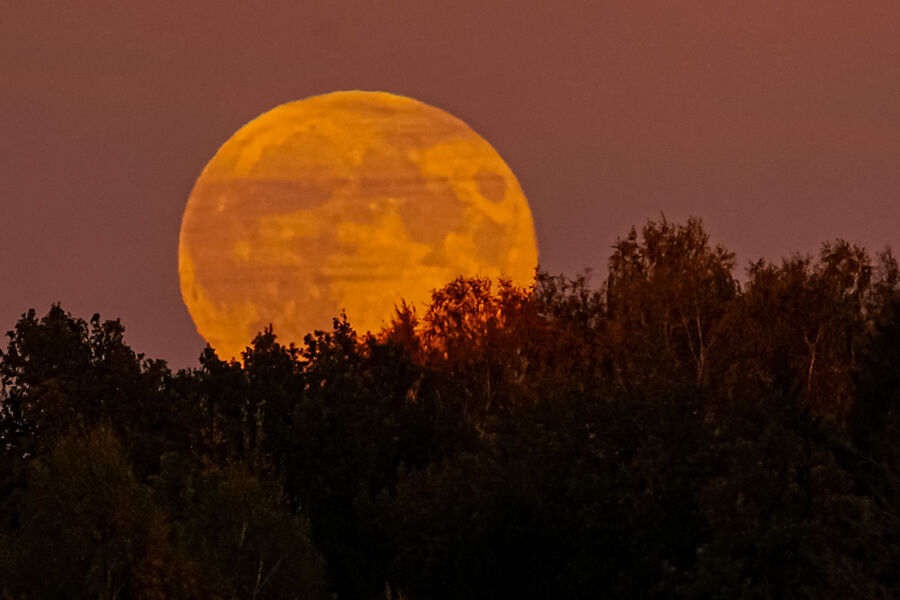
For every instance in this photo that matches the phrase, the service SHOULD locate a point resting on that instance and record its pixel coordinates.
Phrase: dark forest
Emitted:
(684, 428)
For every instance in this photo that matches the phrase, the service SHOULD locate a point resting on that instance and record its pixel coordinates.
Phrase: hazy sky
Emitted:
(777, 122)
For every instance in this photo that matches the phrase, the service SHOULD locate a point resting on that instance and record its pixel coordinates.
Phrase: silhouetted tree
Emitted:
(666, 434)
(667, 291)
(90, 529)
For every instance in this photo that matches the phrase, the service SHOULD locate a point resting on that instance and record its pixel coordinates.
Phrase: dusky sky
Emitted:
(777, 122)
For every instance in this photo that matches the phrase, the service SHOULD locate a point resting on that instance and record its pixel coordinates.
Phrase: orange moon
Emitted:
(349, 200)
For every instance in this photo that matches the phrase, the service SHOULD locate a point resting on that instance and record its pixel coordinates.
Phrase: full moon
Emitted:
(346, 201)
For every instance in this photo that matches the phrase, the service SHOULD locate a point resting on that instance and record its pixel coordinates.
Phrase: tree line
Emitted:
(674, 432)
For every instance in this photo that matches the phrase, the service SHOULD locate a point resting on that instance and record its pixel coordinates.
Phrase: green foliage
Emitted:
(242, 530)
(672, 433)
(90, 529)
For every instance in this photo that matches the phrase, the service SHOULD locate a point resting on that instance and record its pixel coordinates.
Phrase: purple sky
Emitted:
(777, 122)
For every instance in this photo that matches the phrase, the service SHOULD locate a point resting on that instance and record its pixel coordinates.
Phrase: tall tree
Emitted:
(666, 291)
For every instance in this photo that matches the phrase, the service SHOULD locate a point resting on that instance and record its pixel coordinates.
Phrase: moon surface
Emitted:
(346, 201)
